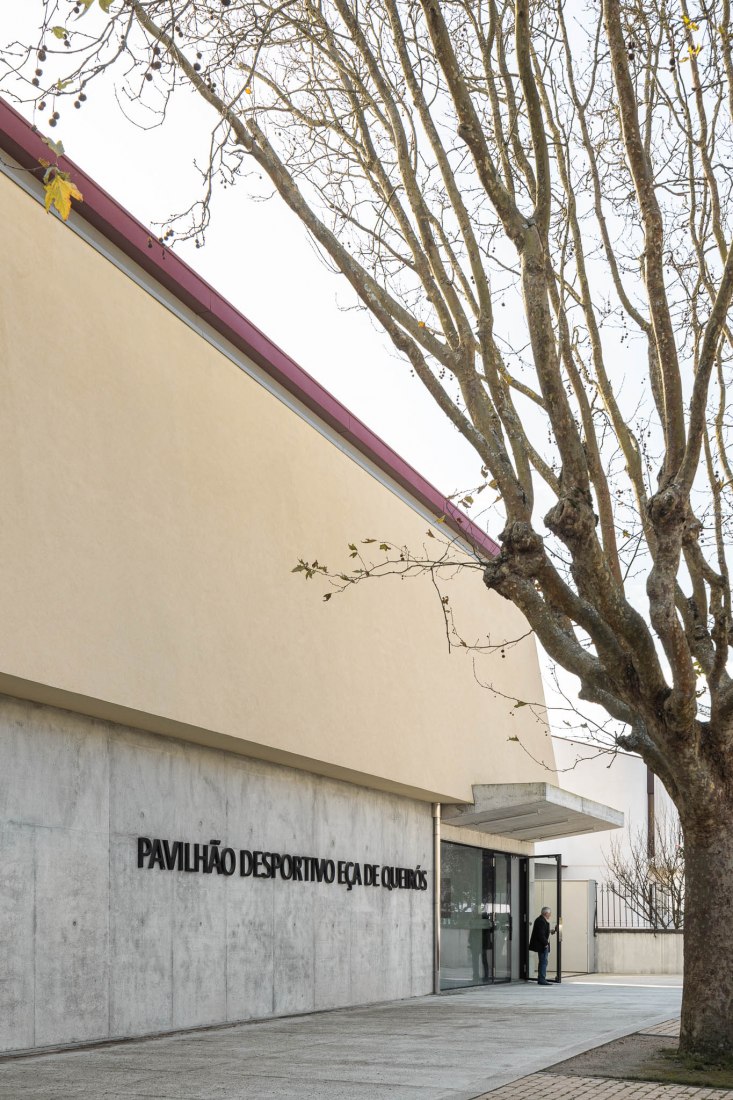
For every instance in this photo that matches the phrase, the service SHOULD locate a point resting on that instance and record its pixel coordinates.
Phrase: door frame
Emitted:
(527, 917)
(507, 856)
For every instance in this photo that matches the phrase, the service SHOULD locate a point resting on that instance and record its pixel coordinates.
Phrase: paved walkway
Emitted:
(434, 1048)
(553, 1086)
(556, 1086)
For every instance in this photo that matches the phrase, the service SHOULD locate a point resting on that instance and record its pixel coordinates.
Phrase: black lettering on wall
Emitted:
(211, 858)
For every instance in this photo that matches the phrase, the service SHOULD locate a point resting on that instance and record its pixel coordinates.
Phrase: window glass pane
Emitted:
(502, 918)
(475, 916)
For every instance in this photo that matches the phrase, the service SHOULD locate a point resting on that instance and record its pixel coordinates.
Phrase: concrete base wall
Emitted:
(93, 946)
(639, 952)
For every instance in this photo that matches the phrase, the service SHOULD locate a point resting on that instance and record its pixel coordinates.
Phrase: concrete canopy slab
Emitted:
(533, 811)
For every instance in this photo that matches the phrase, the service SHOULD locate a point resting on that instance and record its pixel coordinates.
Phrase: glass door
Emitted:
(541, 885)
(475, 912)
(501, 918)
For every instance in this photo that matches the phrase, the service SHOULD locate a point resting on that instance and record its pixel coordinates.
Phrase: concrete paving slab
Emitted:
(30, 1091)
(455, 1047)
(274, 1090)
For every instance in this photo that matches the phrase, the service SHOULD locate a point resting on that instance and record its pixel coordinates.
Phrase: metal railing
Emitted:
(652, 907)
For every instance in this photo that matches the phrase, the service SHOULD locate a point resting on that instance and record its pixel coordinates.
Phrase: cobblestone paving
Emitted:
(547, 1086)
(669, 1027)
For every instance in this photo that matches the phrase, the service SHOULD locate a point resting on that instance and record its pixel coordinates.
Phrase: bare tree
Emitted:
(537, 210)
(652, 886)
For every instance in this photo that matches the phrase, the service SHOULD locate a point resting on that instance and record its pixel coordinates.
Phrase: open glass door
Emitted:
(541, 885)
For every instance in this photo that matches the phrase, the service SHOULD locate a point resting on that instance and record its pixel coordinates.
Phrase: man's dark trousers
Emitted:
(542, 960)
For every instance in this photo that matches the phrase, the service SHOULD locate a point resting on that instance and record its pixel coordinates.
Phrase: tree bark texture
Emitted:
(707, 1002)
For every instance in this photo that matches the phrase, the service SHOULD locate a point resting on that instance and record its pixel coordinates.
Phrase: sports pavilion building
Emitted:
(220, 799)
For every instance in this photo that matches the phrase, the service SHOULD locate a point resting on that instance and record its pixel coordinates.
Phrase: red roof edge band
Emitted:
(22, 141)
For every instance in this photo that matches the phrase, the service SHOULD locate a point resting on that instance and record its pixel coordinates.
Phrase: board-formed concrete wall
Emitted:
(92, 946)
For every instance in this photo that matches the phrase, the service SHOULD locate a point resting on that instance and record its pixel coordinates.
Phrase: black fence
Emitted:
(652, 907)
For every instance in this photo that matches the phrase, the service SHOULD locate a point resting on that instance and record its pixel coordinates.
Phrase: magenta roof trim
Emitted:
(22, 141)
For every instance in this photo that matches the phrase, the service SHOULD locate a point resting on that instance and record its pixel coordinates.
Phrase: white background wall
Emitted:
(618, 780)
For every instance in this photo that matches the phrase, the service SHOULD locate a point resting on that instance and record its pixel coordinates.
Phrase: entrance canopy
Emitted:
(533, 811)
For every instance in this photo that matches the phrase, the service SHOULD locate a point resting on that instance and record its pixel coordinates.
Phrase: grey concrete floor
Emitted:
(452, 1047)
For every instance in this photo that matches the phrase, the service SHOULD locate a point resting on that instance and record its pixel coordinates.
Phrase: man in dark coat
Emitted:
(540, 942)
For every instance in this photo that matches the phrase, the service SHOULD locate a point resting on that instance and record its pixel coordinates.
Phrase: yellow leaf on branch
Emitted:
(59, 193)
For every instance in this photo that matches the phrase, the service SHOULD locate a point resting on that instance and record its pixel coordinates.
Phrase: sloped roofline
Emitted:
(22, 141)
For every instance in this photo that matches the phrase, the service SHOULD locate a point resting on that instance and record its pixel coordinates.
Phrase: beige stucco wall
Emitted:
(477, 839)
(155, 499)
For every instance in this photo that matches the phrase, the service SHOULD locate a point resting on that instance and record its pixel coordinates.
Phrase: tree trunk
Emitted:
(707, 1000)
